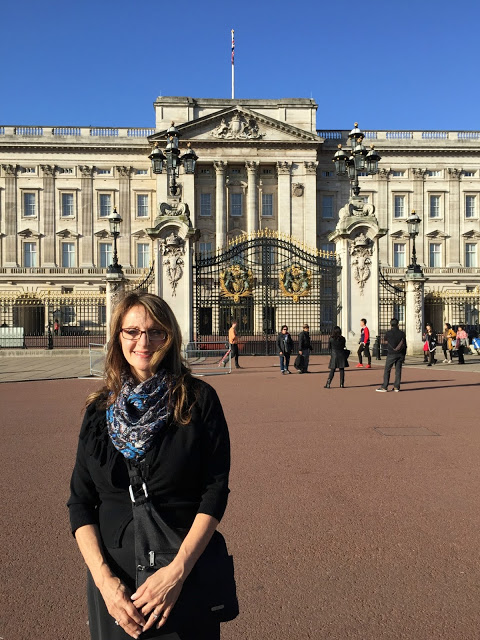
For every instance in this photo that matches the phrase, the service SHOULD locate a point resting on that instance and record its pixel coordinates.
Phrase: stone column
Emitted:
(124, 201)
(11, 229)
(414, 310)
(453, 226)
(220, 205)
(284, 198)
(188, 194)
(418, 206)
(382, 210)
(48, 218)
(115, 288)
(87, 247)
(252, 210)
(310, 205)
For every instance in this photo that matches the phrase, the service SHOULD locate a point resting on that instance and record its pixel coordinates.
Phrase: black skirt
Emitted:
(102, 625)
(338, 359)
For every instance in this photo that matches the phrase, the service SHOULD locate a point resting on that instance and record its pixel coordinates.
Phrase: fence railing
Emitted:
(91, 132)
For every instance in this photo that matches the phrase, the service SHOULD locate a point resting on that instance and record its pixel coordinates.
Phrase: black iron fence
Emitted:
(391, 304)
(455, 307)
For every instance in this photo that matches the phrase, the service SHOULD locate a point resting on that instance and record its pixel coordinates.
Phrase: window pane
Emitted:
(267, 204)
(236, 204)
(328, 247)
(470, 208)
(68, 254)
(399, 207)
(327, 207)
(67, 204)
(30, 254)
(105, 255)
(29, 204)
(205, 204)
(435, 255)
(105, 204)
(434, 206)
(143, 255)
(205, 248)
(142, 206)
(398, 254)
(470, 254)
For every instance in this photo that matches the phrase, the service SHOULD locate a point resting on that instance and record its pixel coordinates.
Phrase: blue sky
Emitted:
(389, 65)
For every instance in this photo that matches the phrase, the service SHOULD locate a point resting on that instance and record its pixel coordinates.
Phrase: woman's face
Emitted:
(138, 353)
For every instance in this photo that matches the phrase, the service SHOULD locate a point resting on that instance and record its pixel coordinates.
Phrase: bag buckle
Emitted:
(130, 490)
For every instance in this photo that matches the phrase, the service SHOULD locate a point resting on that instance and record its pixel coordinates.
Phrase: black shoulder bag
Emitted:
(209, 592)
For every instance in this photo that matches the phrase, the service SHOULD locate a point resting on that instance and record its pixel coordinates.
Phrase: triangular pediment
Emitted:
(239, 125)
(28, 233)
(472, 234)
(400, 235)
(436, 234)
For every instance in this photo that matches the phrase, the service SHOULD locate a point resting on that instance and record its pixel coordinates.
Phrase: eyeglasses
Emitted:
(153, 335)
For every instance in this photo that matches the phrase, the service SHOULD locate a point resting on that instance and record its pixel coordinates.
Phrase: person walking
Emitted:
(364, 345)
(431, 343)
(396, 351)
(462, 342)
(447, 346)
(338, 357)
(285, 348)
(305, 347)
(233, 342)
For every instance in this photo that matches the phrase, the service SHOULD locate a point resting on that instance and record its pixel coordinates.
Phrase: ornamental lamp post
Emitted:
(359, 160)
(114, 220)
(172, 159)
(413, 224)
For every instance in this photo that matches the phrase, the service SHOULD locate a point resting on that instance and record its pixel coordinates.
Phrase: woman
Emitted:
(447, 346)
(153, 414)
(431, 344)
(285, 348)
(338, 358)
(462, 343)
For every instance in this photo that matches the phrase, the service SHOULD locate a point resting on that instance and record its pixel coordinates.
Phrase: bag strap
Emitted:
(138, 486)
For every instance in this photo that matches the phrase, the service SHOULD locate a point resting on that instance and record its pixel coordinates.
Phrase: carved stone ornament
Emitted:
(236, 282)
(48, 170)
(173, 248)
(295, 282)
(298, 189)
(238, 128)
(174, 209)
(124, 172)
(384, 174)
(87, 172)
(417, 306)
(455, 174)
(357, 207)
(311, 167)
(284, 167)
(419, 174)
(361, 250)
(10, 170)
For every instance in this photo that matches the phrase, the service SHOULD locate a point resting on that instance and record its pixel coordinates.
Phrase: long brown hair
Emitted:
(168, 354)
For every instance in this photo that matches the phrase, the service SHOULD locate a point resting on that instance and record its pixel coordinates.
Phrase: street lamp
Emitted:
(359, 160)
(413, 224)
(172, 159)
(114, 220)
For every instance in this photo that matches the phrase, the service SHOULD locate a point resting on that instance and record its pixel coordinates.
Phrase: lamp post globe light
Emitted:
(114, 220)
(413, 224)
(172, 159)
(359, 159)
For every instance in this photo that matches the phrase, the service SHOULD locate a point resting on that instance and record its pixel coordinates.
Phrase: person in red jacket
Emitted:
(364, 345)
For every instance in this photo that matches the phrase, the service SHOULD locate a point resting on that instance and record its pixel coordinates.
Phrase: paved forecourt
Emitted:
(353, 514)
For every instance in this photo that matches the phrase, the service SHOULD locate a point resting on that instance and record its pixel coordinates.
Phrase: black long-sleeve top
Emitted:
(186, 470)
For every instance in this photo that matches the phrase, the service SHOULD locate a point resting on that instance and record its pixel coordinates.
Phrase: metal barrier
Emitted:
(11, 337)
(96, 354)
(206, 361)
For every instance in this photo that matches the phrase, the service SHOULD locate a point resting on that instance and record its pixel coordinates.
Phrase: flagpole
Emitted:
(233, 64)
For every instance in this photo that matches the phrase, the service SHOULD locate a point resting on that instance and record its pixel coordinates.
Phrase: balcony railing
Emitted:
(61, 271)
(78, 132)
(339, 135)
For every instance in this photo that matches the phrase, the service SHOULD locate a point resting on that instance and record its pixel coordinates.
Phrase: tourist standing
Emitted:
(233, 342)
(285, 348)
(338, 357)
(431, 343)
(447, 345)
(305, 347)
(364, 345)
(462, 342)
(396, 351)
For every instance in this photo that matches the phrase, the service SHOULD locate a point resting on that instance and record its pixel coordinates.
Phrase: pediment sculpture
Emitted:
(238, 128)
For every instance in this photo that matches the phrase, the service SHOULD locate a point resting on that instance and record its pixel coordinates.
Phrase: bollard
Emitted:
(50, 337)
(376, 349)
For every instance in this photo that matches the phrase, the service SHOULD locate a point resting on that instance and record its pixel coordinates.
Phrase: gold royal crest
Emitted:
(236, 282)
(295, 282)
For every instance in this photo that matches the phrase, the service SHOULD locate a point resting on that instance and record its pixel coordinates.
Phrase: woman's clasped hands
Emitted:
(120, 606)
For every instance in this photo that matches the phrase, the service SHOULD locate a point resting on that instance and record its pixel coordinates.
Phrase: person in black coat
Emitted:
(285, 348)
(153, 414)
(396, 351)
(338, 357)
(305, 347)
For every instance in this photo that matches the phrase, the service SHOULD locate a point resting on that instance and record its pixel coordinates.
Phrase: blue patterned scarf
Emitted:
(139, 413)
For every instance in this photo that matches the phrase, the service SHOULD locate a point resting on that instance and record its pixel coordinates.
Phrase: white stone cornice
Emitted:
(400, 234)
(139, 234)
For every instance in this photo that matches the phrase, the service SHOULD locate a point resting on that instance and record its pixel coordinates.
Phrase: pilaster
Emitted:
(124, 204)
(284, 197)
(415, 312)
(87, 248)
(220, 208)
(252, 214)
(48, 218)
(417, 205)
(310, 204)
(453, 226)
(11, 228)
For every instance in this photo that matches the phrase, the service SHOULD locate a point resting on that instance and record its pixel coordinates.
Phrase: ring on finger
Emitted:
(117, 622)
(155, 615)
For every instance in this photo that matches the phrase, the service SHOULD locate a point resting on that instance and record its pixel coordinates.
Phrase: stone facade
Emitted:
(262, 165)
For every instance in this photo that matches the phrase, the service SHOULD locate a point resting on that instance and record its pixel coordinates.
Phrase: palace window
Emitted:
(205, 204)
(328, 247)
(399, 254)
(327, 206)
(104, 172)
(105, 204)
(267, 172)
(67, 205)
(236, 204)
(469, 174)
(470, 254)
(267, 204)
(327, 174)
(434, 207)
(30, 254)
(398, 174)
(205, 171)
(470, 206)
(435, 255)
(143, 255)
(29, 205)
(205, 248)
(141, 172)
(434, 174)
(399, 206)
(106, 254)
(68, 254)
(142, 205)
